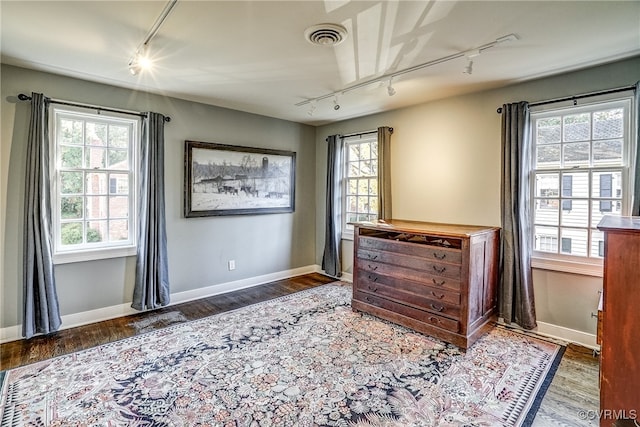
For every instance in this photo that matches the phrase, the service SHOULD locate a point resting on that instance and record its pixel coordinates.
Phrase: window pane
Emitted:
(71, 233)
(363, 186)
(574, 241)
(579, 186)
(608, 124)
(607, 184)
(546, 212)
(548, 155)
(373, 187)
(118, 230)
(609, 151)
(352, 204)
(354, 169)
(118, 136)
(96, 134)
(547, 185)
(597, 243)
(576, 154)
(95, 158)
(354, 152)
(97, 183)
(96, 207)
(118, 159)
(96, 231)
(69, 131)
(577, 127)
(352, 187)
(71, 207)
(373, 206)
(118, 207)
(548, 130)
(546, 239)
(363, 204)
(597, 213)
(71, 182)
(71, 157)
(578, 215)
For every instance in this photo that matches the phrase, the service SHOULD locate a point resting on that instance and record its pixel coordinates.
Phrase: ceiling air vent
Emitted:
(326, 34)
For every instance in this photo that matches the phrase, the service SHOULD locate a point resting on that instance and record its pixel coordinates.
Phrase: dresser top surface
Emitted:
(408, 226)
(620, 223)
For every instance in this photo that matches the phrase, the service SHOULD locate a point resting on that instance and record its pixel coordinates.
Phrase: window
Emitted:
(580, 173)
(93, 183)
(360, 180)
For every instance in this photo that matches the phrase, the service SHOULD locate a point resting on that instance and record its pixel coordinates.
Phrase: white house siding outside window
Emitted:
(580, 173)
(360, 201)
(93, 184)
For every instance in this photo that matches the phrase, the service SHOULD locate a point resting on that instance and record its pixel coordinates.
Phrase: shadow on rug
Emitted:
(301, 360)
(157, 321)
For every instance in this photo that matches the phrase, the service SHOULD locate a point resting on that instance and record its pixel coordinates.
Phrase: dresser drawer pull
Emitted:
(438, 308)
(374, 268)
(435, 282)
(433, 319)
(370, 301)
(439, 269)
(373, 278)
(373, 289)
(439, 256)
(439, 296)
(373, 256)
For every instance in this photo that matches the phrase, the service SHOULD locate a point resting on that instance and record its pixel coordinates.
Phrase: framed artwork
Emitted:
(224, 179)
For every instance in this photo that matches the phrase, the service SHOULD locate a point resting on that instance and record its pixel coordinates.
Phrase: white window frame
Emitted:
(103, 250)
(347, 229)
(588, 265)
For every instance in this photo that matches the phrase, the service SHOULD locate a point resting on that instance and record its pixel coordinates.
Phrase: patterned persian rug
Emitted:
(301, 360)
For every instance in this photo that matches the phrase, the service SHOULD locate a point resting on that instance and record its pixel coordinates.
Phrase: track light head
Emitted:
(336, 106)
(140, 61)
(469, 68)
(390, 89)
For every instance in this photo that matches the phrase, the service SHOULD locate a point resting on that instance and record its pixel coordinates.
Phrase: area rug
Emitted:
(301, 360)
(157, 321)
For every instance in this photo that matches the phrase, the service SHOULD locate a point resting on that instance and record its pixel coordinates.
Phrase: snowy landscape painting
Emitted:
(230, 180)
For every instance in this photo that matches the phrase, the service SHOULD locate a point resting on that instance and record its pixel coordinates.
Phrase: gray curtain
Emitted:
(635, 209)
(331, 259)
(515, 292)
(151, 289)
(384, 172)
(41, 312)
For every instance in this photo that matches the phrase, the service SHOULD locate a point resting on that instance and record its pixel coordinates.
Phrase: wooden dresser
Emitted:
(439, 279)
(620, 337)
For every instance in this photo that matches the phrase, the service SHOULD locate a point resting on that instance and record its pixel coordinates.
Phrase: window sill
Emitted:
(565, 266)
(346, 235)
(92, 255)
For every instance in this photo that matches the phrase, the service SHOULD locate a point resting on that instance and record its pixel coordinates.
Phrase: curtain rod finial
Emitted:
(23, 97)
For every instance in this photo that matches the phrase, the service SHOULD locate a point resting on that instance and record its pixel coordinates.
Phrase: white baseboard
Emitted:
(13, 333)
(566, 334)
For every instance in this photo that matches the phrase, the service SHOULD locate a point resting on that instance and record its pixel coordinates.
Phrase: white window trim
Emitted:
(348, 233)
(575, 264)
(104, 252)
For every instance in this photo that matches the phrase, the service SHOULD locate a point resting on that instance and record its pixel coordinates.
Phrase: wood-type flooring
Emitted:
(571, 400)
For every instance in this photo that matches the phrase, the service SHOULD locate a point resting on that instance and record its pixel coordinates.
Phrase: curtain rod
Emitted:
(23, 97)
(576, 97)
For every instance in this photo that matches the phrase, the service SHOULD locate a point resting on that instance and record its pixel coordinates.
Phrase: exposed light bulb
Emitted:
(141, 61)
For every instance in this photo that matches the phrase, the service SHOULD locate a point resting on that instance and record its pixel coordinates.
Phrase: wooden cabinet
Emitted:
(620, 337)
(439, 279)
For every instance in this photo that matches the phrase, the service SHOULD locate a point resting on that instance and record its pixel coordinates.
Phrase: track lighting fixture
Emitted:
(390, 90)
(468, 54)
(141, 60)
(312, 108)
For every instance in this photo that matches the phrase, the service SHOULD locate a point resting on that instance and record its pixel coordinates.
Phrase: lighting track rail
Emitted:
(390, 76)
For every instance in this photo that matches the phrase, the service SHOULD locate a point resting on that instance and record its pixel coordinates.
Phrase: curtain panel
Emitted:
(151, 288)
(41, 313)
(384, 172)
(515, 292)
(331, 259)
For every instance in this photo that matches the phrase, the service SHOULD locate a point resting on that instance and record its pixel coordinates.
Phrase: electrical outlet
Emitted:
(232, 264)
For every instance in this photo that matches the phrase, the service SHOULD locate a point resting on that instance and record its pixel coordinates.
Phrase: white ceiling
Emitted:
(252, 56)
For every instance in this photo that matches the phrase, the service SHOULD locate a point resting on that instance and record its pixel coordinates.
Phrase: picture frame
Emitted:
(221, 179)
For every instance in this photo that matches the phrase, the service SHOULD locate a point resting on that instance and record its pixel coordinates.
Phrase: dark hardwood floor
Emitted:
(573, 392)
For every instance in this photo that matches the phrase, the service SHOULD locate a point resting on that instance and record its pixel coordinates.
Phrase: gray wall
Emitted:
(446, 168)
(199, 248)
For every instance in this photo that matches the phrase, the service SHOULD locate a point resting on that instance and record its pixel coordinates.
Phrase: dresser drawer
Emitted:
(434, 268)
(386, 285)
(429, 252)
(440, 278)
(414, 313)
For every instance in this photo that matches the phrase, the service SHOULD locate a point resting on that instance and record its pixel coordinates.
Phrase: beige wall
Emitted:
(199, 248)
(446, 168)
